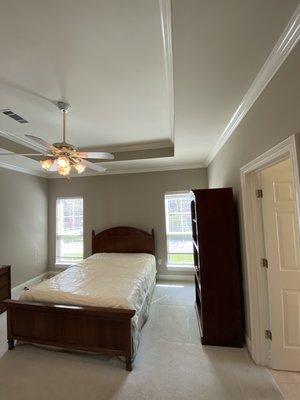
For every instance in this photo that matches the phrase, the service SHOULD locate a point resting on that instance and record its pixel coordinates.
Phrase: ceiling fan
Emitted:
(64, 157)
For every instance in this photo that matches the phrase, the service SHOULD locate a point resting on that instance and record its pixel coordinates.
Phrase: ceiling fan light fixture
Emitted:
(47, 163)
(64, 158)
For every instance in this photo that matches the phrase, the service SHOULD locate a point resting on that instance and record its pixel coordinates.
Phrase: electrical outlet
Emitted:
(159, 261)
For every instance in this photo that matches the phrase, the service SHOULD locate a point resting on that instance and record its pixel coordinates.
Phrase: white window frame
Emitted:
(67, 263)
(175, 267)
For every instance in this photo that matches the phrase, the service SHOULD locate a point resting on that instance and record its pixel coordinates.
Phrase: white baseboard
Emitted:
(16, 291)
(185, 278)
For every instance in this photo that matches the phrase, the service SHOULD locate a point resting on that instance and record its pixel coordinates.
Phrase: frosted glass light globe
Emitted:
(63, 162)
(47, 164)
(65, 171)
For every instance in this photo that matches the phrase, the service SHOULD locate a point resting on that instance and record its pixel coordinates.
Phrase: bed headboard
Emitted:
(123, 239)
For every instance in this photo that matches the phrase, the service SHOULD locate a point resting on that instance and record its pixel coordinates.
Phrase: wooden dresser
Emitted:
(217, 277)
(5, 285)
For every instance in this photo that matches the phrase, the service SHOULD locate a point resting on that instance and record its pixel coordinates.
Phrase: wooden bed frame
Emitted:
(93, 329)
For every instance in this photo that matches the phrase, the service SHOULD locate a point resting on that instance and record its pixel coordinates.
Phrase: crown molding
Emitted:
(165, 9)
(27, 171)
(52, 175)
(134, 171)
(20, 140)
(130, 147)
(278, 55)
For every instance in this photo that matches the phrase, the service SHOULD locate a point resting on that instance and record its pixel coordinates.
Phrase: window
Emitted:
(179, 229)
(69, 230)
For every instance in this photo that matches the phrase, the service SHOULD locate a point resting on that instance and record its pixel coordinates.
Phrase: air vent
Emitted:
(14, 116)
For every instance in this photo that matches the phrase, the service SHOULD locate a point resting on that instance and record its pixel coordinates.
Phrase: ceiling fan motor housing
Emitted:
(67, 146)
(63, 106)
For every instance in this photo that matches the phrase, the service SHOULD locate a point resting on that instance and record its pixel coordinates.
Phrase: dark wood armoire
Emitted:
(217, 277)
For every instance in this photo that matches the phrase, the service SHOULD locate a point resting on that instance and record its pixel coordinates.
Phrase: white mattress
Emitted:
(116, 280)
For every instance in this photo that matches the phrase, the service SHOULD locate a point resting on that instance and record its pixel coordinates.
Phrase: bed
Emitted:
(99, 305)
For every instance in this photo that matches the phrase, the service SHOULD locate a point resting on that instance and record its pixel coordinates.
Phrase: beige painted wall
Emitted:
(131, 199)
(274, 117)
(23, 224)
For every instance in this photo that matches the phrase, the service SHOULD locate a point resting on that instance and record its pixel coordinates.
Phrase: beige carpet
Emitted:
(171, 364)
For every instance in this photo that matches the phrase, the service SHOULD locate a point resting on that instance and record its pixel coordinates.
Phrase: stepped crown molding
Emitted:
(135, 170)
(20, 140)
(18, 168)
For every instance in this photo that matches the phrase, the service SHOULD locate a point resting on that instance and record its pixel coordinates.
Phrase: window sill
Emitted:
(66, 264)
(62, 265)
(180, 268)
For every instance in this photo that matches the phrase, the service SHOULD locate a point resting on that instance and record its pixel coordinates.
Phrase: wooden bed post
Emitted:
(10, 341)
(93, 241)
(128, 346)
(128, 364)
(153, 241)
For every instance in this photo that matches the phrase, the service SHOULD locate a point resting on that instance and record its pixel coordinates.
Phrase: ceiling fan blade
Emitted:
(92, 166)
(17, 154)
(41, 142)
(98, 154)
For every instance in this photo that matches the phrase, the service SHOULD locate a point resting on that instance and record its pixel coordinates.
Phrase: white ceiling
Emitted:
(107, 58)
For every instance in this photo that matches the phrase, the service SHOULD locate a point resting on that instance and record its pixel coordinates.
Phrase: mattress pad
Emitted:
(113, 280)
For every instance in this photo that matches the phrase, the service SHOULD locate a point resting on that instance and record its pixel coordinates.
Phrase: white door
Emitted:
(282, 252)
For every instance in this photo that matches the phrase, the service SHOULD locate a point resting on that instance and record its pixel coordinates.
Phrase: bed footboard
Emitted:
(94, 329)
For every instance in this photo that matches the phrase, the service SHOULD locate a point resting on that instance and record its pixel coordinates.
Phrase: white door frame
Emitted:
(253, 234)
